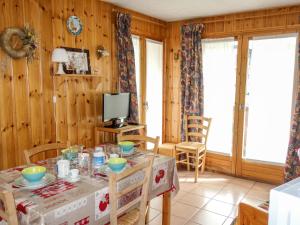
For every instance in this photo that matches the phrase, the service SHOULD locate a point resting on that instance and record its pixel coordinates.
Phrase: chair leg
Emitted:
(147, 216)
(188, 161)
(196, 166)
(203, 163)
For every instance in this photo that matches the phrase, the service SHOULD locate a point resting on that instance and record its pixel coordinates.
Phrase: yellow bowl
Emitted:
(34, 173)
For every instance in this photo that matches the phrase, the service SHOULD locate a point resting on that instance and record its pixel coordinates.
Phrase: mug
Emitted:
(63, 168)
(74, 173)
(113, 155)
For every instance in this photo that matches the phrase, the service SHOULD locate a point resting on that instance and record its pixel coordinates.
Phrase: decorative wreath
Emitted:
(27, 47)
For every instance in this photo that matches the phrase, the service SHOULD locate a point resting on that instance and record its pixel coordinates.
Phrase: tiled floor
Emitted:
(212, 201)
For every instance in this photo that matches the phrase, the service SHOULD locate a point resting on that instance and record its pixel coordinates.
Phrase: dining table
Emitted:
(86, 201)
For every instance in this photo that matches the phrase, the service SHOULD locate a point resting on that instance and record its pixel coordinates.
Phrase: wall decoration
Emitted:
(74, 25)
(79, 61)
(19, 42)
(101, 52)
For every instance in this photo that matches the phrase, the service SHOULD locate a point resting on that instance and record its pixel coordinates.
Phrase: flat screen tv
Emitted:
(116, 108)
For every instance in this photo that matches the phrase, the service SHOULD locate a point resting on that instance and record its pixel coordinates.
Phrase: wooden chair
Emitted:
(136, 215)
(251, 215)
(142, 139)
(8, 213)
(43, 148)
(193, 149)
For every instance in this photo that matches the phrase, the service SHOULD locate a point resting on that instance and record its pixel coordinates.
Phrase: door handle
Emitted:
(146, 106)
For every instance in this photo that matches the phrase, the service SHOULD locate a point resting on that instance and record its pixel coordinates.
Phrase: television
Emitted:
(116, 108)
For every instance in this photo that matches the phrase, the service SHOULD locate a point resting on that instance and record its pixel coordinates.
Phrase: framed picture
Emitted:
(79, 61)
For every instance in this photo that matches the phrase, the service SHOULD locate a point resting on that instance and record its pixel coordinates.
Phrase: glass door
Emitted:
(266, 104)
(219, 76)
(154, 88)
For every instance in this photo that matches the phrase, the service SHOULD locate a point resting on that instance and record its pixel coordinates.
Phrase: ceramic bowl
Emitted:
(117, 164)
(70, 153)
(34, 173)
(126, 146)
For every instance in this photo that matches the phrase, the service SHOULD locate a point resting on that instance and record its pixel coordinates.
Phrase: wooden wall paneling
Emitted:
(85, 42)
(59, 39)
(173, 108)
(58, 24)
(20, 80)
(70, 110)
(266, 173)
(90, 114)
(6, 95)
(169, 67)
(32, 17)
(90, 41)
(106, 42)
(106, 38)
(82, 126)
(98, 35)
(164, 86)
(60, 115)
(217, 162)
(68, 9)
(47, 83)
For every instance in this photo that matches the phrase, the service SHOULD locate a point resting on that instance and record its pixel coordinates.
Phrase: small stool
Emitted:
(167, 149)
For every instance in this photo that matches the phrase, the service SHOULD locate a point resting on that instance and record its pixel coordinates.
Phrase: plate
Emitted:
(74, 25)
(21, 182)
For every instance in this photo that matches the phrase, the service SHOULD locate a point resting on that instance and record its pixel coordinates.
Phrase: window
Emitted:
(269, 94)
(219, 74)
(154, 90)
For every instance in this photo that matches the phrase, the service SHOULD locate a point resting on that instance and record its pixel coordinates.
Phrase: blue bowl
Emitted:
(126, 146)
(34, 173)
(117, 164)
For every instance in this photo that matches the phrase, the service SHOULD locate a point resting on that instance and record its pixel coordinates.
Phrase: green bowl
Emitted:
(126, 146)
(70, 153)
(117, 164)
(34, 173)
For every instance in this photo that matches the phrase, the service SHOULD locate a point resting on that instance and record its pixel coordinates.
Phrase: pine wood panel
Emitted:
(232, 25)
(266, 173)
(28, 115)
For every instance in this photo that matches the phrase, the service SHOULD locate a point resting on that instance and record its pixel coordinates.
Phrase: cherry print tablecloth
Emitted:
(86, 201)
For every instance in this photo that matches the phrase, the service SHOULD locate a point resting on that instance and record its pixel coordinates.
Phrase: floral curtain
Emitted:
(292, 167)
(191, 72)
(126, 63)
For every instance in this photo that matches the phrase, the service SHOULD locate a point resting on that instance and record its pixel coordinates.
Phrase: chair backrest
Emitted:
(43, 148)
(197, 127)
(143, 139)
(115, 194)
(251, 215)
(8, 208)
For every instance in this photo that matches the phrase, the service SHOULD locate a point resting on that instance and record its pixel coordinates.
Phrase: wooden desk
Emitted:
(120, 131)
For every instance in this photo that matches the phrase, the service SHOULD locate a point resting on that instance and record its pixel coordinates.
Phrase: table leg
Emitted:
(166, 210)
